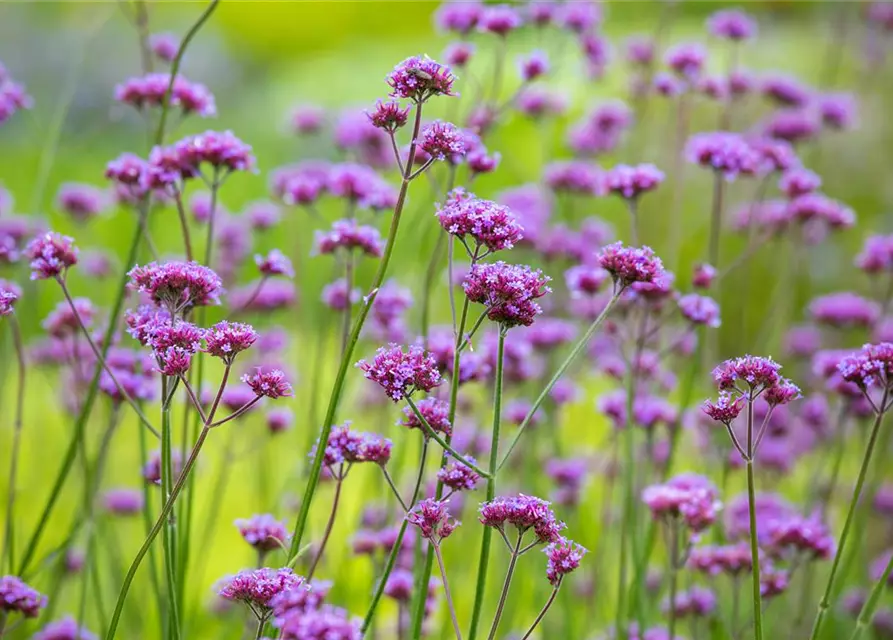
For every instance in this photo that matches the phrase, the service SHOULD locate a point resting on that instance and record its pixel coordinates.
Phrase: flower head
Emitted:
(564, 557)
(499, 19)
(458, 476)
(270, 384)
(433, 519)
(436, 413)
(756, 372)
(323, 623)
(400, 373)
(533, 66)
(441, 140)
(223, 151)
(798, 534)
(419, 78)
(725, 409)
(263, 532)
(686, 59)
(845, 310)
(177, 286)
(9, 295)
(703, 276)
(258, 587)
(508, 291)
(227, 339)
(727, 153)
(64, 629)
(389, 115)
(81, 201)
(489, 224)
(458, 16)
(17, 596)
(732, 24)
(687, 496)
(628, 265)
(348, 235)
(798, 181)
(870, 366)
(631, 182)
(699, 309)
(524, 513)
(876, 255)
(51, 255)
(275, 263)
(164, 46)
(123, 502)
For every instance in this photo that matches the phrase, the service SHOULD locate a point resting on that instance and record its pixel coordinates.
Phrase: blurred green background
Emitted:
(260, 59)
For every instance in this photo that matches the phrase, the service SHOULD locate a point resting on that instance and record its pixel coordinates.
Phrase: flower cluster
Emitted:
(263, 532)
(81, 201)
(177, 286)
(435, 412)
(690, 497)
(629, 265)
(389, 116)
(51, 256)
(487, 223)
(12, 96)
(631, 182)
(349, 235)
(270, 383)
(441, 141)
(697, 602)
(433, 519)
(564, 557)
(17, 596)
(346, 446)
(724, 152)
(458, 476)
(871, 366)
(227, 339)
(419, 78)
(524, 513)
(151, 91)
(66, 628)
(845, 310)
(222, 150)
(400, 373)
(275, 263)
(508, 291)
(257, 587)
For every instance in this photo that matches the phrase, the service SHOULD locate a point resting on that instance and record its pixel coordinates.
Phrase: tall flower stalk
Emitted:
(7, 558)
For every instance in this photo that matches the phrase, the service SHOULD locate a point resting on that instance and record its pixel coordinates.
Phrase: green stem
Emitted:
(8, 554)
(169, 534)
(447, 448)
(334, 399)
(754, 543)
(398, 543)
(505, 589)
(542, 613)
(446, 591)
(147, 523)
(328, 531)
(715, 219)
(870, 606)
(576, 351)
(825, 602)
(674, 576)
(484, 562)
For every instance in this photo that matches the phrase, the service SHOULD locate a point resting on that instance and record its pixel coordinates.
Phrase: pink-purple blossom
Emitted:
(433, 519)
(348, 235)
(227, 339)
(630, 182)
(18, 597)
(275, 263)
(419, 78)
(487, 223)
(564, 557)
(688, 496)
(263, 532)
(508, 291)
(400, 373)
(441, 140)
(270, 384)
(177, 285)
(151, 90)
(51, 255)
(629, 265)
(524, 513)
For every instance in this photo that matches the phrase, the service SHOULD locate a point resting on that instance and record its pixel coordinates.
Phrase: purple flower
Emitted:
(800, 535)
(727, 153)
(51, 255)
(458, 476)
(123, 502)
(631, 182)
(732, 24)
(222, 150)
(698, 602)
(275, 263)
(686, 59)
(487, 223)
(280, 419)
(639, 50)
(539, 102)
(257, 587)
(524, 513)
(871, 366)
(17, 596)
(573, 177)
(337, 297)
(703, 276)
(773, 582)
(733, 559)
(687, 496)
(629, 265)
(533, 66)
(508, 291)
(400, 373)
(579, 17)
(564, 557)
(388, 116)
(782, 393)
(699, 309)
(164, 45)
(354, 132)
(348, 446)
(63, 320)
(668, 85)
(263, 214)
(793, 125)
(307, 119)
(436, 413)
(500, 19)
(177, 286)
(433, 519)
(756, 372)
(12, 97)
(725, 409)
(324, 623)
(152, 469)
(798, 182)
(876, 255)
(150, 91)
(227, 339)
(419, 78)
(270, 384)
(458, 16)
(81, 201)
(64, 629)
(459, 54)
(838, 110)
(9, 295)
(263, 532)
(585, 280)
(550, 333)
(844, 310)
(818, 207)
(442, 140)
(348, 235)
(786, 91)
(596, 53)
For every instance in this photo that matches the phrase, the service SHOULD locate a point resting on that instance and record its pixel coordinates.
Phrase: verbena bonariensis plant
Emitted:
(528, 307)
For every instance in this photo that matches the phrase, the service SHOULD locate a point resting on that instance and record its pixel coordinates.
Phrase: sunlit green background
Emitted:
(260, 59)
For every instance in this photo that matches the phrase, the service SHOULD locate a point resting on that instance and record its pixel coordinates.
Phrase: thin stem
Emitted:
(169, 537)
(260, 628)
(101, 359)
(446, 591)
(387, 476)
(715, 219)
(576, 351)
(505, 589)
(754, 544)
(633, 205)
(542, 613)
(156, 529)
(238, 412)
(184, 224)
(484, 562)
(870, 606)
(175, 68)
(8, 554)
(328, 531)
(431, 433)
(398, 543)
(825, 602)
(345, 320)
(335, 397)
(674, 576)
(147, 523)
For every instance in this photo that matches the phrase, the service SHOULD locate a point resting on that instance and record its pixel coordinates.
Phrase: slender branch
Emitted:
(542, 613)
(505, 588)
(8, 554)
(329, 526)
(446, 591)
(387, 476)
(431, 433)
(754, 538)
